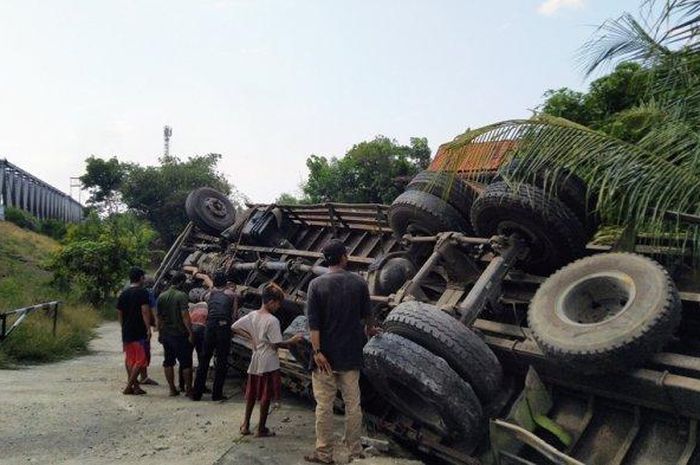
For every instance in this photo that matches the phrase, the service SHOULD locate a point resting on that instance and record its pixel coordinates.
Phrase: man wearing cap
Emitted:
(337, 305)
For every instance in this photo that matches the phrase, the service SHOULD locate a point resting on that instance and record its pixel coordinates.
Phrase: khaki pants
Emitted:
(325, 387)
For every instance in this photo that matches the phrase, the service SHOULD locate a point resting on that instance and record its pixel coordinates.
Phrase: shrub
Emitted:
(98, 254)
(21, 218)
(53, 228)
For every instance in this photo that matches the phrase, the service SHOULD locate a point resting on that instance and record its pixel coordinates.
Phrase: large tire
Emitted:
(444, 336)
(210, 210)
(608, 312)
(565, 186)
(422, 213)
(554, 234)
(447, 186)
(423, 387)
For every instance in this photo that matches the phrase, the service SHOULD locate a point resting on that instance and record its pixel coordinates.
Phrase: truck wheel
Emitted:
(444, 336)
(570, 189)
(447, 186)
(423, 387)
(421, 213)
(554, 234)
(210, 210)
(605, 313)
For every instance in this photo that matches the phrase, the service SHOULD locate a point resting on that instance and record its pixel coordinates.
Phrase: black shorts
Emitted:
(176, 348)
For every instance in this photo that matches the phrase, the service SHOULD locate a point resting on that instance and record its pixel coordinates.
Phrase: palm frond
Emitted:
(630, 184)
(621, 39)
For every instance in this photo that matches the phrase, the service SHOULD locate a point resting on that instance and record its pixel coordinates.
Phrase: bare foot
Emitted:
(174, 393)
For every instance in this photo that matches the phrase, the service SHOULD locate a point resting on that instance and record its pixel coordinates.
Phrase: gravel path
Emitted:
(73, 412)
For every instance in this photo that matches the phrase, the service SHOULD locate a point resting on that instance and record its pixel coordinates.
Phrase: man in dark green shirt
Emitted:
(175, 333)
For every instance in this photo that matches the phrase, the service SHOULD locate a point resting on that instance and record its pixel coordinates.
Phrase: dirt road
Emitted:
(73, 412)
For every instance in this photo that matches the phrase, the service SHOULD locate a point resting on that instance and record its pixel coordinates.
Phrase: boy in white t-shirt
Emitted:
(264, 380)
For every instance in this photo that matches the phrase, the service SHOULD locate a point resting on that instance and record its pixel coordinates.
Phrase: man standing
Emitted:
(337, 304)
(134, 317)
(175, 333)
(221, 303)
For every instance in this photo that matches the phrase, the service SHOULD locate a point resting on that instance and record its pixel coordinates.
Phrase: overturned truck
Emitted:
(508, 337)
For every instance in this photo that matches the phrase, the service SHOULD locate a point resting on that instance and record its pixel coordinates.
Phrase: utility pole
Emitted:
(167, 133)
(76, 184)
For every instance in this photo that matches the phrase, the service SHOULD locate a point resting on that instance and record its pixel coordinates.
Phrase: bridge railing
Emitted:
(20, 189)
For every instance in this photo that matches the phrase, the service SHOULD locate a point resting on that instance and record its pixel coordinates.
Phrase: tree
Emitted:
(286, 198)
(103, 179)
(155, 193)
(606, 105)
(98, 253)
(369, 172)
(639, 183)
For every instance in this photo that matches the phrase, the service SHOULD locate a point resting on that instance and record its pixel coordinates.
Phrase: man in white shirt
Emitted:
(264, 380)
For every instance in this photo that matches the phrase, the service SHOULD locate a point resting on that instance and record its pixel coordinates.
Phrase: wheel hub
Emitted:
(597, 298)
(216, 207)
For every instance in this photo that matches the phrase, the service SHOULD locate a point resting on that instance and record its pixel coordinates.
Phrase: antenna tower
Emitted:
(167, 133)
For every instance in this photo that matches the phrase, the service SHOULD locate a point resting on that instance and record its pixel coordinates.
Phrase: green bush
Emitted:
(21, 218)
(53, 228)
(98, 254)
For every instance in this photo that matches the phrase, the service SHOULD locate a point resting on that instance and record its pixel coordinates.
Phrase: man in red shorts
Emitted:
(134, 312)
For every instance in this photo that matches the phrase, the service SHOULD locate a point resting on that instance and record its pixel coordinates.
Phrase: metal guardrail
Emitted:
(20, 189)
(50, 307)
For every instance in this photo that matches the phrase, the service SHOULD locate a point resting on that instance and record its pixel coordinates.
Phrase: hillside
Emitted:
(24, 281)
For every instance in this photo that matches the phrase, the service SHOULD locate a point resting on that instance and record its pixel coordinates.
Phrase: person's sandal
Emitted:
(149, 382)
(129, 391)
(139, 392)
(314, 458)
(174, 393)
(244, 431)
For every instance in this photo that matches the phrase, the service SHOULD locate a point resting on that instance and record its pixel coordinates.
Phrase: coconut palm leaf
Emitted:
(631, 185)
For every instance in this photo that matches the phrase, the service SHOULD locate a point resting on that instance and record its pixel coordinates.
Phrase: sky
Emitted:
(267, 83)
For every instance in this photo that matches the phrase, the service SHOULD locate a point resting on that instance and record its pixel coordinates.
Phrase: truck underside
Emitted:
(647, 415)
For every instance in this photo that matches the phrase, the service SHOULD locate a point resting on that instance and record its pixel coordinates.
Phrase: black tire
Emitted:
(447, 186)
(421, 213)
(554, 234)
(210, 210)
(565, 186)
(608, 312)
(444, 336)
(423, 387)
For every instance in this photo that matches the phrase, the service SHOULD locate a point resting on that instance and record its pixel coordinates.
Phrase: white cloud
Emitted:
(550, 7)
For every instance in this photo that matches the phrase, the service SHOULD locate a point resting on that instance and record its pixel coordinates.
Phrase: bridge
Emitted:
(20, 189)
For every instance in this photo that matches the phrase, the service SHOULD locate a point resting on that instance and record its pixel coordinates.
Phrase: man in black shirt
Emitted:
(337, 304)
(221, 303)
(134, 312)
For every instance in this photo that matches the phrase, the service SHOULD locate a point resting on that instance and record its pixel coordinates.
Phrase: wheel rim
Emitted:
(596, 299)
(215, 207)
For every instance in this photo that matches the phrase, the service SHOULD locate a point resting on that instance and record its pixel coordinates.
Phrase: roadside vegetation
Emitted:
(25, 280)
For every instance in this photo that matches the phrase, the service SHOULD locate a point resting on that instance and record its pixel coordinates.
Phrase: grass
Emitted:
(24, 281)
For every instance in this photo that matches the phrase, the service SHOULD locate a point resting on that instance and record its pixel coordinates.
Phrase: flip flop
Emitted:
(244, 431)
(128, 391)
(149, 381)
(174, 393)
(265, 433)
(139, 392)
(313, 458)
